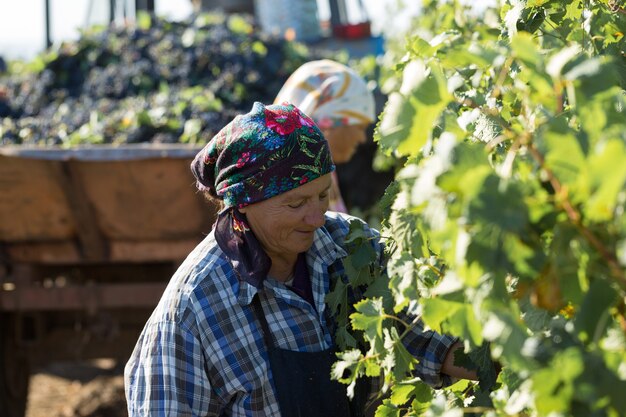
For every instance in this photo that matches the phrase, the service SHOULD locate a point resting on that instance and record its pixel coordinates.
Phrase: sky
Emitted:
(22, 22)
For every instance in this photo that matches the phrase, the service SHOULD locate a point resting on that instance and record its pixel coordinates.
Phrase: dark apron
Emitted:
(302, 379)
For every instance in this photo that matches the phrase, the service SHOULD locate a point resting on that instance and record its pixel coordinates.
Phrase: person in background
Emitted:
(340, 103)
(243, 328)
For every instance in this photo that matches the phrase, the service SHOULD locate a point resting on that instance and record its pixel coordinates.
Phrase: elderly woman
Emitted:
(242, 328)
(340, 103)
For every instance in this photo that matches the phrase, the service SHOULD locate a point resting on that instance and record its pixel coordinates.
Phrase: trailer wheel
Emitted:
(14, 370)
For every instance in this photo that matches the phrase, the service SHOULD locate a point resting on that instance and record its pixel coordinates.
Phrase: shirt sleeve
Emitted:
(166, 376)
(427, 346)
(430, 348)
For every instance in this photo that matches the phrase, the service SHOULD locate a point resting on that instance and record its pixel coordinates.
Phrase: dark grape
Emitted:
(125, 84)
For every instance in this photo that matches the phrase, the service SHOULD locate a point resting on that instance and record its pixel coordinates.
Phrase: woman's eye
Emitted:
(295, 205)
(323, 196)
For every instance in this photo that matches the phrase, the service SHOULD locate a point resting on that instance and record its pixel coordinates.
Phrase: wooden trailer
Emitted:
(89, 238)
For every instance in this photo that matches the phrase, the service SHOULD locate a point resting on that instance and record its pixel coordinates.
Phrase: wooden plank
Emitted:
(68, 344)
(33, 205)
(152, 251)
(63, 253)
(52, 253)
(86, 297)
(92, 243)
(146, 199)
(127, 152)
(95, 210)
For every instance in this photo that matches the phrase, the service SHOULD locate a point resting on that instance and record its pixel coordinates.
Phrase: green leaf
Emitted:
(409, 118)
(560, 59)
(463, 323)
(554, 386)
(398, 357)
(423, 396)
(347, 368)
(144, 20)
(499, 203)
(259, 48)
(420, 47)
(396, 121)
(379, 288)
(592, 76)
(487, 129)
(403, 271)
(592, 318)
(535, 318)
(369, 318)
(420, 394)
(481, 358)
(607, 177)
(191, 130)
(401, 393)
(356, 231)
(437, 310)
(237, 24)
(536, 3)
(337, 297)
(144, 119)
(586, 68)
(512, 16)
(474, 55)
(508, 335)
(345, 339)
(363, 255)
(405, 229)
(526, 49)
(387, 409)
(574, 10)
(468, 172)
(564, 155)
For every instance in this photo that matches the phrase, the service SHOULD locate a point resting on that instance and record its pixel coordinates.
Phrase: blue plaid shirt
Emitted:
(201, 352)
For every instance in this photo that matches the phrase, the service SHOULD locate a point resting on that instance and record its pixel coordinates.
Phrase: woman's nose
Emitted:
(315, 214)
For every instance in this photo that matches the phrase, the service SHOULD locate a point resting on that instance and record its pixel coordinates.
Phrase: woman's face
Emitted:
(343, 141)
(285, 224)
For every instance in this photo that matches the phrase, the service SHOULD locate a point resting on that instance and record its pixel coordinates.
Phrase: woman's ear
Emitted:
(242, 210)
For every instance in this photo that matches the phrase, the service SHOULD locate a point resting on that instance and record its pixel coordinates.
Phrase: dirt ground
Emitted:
(77, 389)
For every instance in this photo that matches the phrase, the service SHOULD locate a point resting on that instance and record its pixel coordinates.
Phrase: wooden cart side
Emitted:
(134, 204)
(80, 209)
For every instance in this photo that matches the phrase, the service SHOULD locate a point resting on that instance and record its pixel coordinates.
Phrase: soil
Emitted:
(77, 389)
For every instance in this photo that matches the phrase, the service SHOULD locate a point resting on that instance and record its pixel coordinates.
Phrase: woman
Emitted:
(340, 103)
(242, 328)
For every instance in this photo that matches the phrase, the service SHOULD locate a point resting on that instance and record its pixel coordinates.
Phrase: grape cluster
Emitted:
(161, 81)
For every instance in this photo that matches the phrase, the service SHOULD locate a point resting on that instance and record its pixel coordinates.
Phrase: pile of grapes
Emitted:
(158, 81)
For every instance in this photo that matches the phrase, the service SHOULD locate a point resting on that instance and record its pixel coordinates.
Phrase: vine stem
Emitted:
(501, 77)
(621, 309)
(576, 218)
(404, 323)
(572, 214)
(435, 270)
(616, 8)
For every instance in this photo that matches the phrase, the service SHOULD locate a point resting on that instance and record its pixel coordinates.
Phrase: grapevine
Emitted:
(505, 227)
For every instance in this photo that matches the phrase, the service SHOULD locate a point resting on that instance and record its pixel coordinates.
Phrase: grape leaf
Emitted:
(591, 319)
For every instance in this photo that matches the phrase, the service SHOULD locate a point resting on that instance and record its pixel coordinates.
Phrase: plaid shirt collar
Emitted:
(323, 253)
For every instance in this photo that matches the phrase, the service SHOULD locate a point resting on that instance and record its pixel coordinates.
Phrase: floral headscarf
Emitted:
(266, 152)
(331, 93)
(259, 155)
